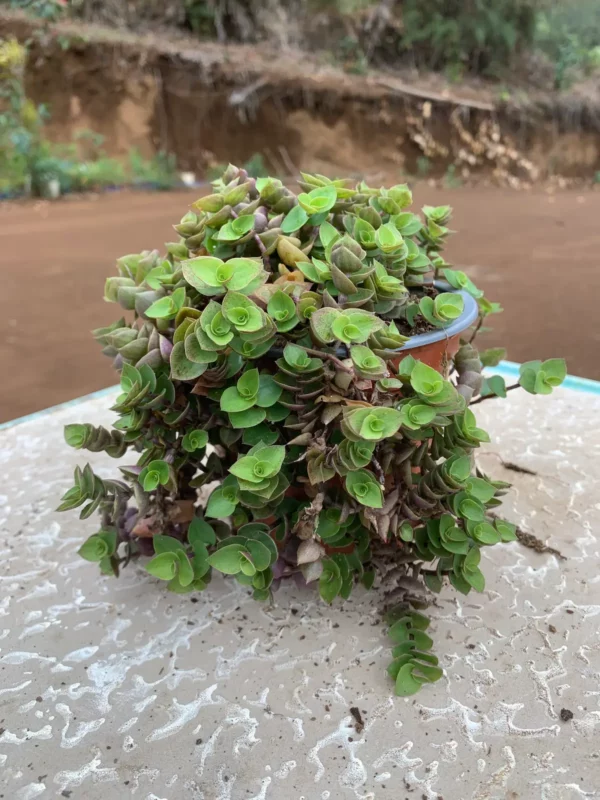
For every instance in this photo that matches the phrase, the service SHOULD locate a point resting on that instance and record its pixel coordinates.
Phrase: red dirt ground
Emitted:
(535, 253)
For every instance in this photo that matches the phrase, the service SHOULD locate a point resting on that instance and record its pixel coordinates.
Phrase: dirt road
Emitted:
(536, 254)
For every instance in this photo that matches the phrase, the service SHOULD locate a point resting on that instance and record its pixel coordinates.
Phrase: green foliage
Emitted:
(540, 377)
(364, 487)
(157, 473)
(29, 163)
(568, 33)
(413, 664)
(455, 37)
(48, 10)
(158, 172)
(261, 364)
(445, 308)
(479, 36)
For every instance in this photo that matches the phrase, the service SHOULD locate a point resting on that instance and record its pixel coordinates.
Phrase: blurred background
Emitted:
(115, 115)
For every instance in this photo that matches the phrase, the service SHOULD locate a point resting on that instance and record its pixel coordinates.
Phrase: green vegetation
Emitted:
(568, 33)
(30, 163)
(263, 353)
(50, 10)
(498, 39)
(477, 36)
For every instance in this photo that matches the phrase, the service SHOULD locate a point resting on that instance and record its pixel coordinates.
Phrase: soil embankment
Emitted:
(206, 102)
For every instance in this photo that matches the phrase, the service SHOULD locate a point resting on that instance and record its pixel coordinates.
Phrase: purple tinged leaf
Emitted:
(165, 348)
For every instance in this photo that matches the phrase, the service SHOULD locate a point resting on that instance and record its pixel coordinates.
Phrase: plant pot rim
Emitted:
(466, 319)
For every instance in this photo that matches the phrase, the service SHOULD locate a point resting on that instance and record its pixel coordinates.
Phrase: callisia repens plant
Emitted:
(272, 427)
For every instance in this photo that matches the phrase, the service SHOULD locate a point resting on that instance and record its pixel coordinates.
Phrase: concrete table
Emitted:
(116, 689)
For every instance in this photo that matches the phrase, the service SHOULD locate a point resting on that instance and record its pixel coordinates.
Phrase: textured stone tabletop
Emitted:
(116, 689)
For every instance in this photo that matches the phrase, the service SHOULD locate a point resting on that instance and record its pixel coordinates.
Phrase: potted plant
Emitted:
(295, 380)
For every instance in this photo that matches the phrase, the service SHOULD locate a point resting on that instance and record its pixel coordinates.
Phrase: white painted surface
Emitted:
(116, 689)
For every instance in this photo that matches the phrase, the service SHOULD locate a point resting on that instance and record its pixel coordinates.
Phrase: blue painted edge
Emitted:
(507, 369)
(53, 409)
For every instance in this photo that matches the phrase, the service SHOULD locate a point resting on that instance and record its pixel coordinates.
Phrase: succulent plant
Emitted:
(260, 357)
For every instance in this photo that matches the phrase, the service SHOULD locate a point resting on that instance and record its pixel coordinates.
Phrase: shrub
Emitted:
(159, 172)
(264, 355)
(569, 34)
(481, 36)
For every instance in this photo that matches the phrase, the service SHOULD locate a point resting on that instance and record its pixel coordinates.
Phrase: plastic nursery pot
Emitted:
(437, 348)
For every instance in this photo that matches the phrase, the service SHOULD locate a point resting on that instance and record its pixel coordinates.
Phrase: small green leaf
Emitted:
(167, 307)
(244, 272)
(492, 357)
(262, 433)
(426, 381)
(75, 435)
(353, 325)
(185, 573)
(485, 533)
(319, 200)
(259, 553)
(155, 474)
(182, 368)
(242, 312)
(459, 280)
(194, 440)
(480, 489)
(163, 566)
(388, 238)
(228, 559)
(249, 383)
(221, 504)
(407, 683)
(367, 364)
(476, 579)
(330, 582)
(328, 234)
(232, 400)
(200, 531)
(248, 418)
(94, 549)
(166, 544)
(407, 224)
(321, 322)
(294, 220)
(269, 392)
(282, 310)
(493, 385)
(541, 378)
(364, 487)
(507, 531)
(433, 582)
(372, 424)
(416, 415)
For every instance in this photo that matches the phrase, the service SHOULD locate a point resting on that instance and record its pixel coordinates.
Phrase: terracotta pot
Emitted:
(437, 348)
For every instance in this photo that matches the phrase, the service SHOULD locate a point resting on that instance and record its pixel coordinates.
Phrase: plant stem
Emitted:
(339, 364)
(477, 327)
(379, 470)
(488, 396)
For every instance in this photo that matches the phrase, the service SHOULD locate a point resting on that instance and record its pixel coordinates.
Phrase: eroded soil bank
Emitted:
(207, 103)
(535, 253)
